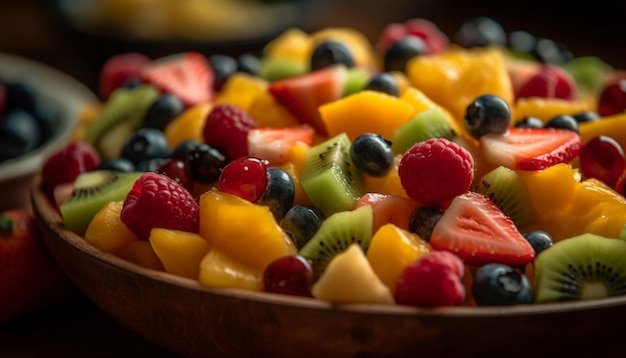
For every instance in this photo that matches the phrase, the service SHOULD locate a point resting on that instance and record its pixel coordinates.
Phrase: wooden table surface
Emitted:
(27, 28)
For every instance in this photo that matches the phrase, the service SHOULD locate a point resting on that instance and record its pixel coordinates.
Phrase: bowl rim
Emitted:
(50, 216)
(62, 91)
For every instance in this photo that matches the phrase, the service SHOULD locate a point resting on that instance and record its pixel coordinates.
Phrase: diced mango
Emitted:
(188, 125)
(179, 251)
(218, 270)
(106, 230)
(241, 89)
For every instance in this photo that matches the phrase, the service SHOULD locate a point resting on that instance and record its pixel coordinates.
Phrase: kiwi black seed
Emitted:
(330, 178)
(583, 267)
(336, 234)
(121, 115)
(509, 192)
(431, 123)
(91, 191)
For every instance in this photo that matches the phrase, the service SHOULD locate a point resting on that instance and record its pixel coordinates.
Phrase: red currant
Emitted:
(245, 177)
(290, 275)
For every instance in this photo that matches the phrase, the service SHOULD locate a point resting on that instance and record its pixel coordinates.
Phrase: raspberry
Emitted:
(227, 127)
(159, 201)
(550, 82)
(432, 280)
(434, 171)
(64, 165)
(118, 70)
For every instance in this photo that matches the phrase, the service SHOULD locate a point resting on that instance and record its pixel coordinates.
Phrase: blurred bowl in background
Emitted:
(61, 92)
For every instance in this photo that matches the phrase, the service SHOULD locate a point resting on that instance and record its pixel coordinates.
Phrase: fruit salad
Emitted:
(420, 169)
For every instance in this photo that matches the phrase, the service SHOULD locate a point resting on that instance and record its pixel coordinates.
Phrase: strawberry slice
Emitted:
(187, 75)
(273, 144)
(476, 230)
(302, 95)
(531, 148)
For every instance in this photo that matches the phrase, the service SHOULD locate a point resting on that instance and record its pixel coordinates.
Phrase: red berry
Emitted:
(119, 69)
(245, 177)
(550, 82)
(432, 280)
(178, 170)
(289, 275)
(436, 41)
(612, 99)
(227, 127)
(157, 200)
(67, 163)
(434, 171)
(602, 157)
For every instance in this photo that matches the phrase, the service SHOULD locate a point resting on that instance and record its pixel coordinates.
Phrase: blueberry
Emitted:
(551, 52)
(301, 222)
(330, 53)
(372, 154)
(423, 221)
(385, 83)
(522, 41)
(150, 165)
(184, 149)
(487, 114)
(587, 116)
(498, 284)
(19, 134)
(280, 192)
(162, 111)
(223, 67)
(563, 121)
(539, 240)
(118, 165)
(402, 51)
(145, 144)
(529, 122)
(205, 162)
(249, 64)
(480, 31)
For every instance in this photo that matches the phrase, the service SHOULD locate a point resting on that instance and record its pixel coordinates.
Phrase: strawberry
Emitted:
(30, 279)
(226, 127)
(531, 148)
(302, 95)
(64, 165)
(120, 69)
(476, 230)
(187, 75)
(273, 144)
(550, 81)
(156, 200)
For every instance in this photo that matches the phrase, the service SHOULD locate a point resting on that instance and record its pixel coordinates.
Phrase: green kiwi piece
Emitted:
(589, 73)
(509, 192)
(336, 234)
(430, 123)
(357, 78)
(274, 69)
(91, 191)
(330, 178)
(125, 107)
(582, 267)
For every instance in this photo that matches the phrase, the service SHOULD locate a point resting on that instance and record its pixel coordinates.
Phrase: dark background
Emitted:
(31, 28)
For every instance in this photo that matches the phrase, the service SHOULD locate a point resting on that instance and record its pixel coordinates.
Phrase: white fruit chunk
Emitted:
(349, 278)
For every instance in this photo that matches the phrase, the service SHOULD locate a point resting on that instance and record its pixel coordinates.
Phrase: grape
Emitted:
(163, 111)
(177, 170)
(301, 222)
(280, 192)
(329, 53)
(424, 219)
(384, 82)
(289, 275)
(602, 158)
(487, 114)
(612, 99)
(245, 177)
(204, 161)
(372, 154)
(146, 144)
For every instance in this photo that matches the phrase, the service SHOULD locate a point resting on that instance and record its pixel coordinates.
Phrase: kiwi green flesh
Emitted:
(357, 78)
(91, 191)
(125, 105)
(274, 69)
(336, 234)
(582, 267)
(430, 123)
(329, 176)
(509, 192)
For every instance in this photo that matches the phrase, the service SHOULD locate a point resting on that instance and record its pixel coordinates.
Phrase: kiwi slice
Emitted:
(330, 178)
(356, 79)
(430, 123)
(274, 69)
(582, 267)
(509, 192)
(336, 234)
(120, 116)
(91, 191)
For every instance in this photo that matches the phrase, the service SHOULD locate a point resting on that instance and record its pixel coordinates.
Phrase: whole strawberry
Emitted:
(156, 200)
(30, 279)
(227, 127)
(434, 171)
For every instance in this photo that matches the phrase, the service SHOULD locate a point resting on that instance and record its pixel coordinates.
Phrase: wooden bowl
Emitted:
(184, 317)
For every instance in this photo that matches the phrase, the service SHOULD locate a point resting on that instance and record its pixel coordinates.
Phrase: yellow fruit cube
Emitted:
(106, 231)
(179, 251)
(140, 252)
(546, 108)
(267, 112)
(188, 125)
(218, 270)
(240, 90)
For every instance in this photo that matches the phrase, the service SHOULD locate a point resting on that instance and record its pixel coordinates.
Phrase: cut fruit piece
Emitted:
(391, 250)
(124, 109)
(302, 95)
(106, 230)
(547, 108)
(509, 192)
(366, 111)
(240, 90)
(140, 252)
(275, 69)
(430, 123)
(274, 144)
(179, 251)
(388, 209)
(245, 231)
(359, 45)
(294, 162)
(187, 126)
(476, 230)
(531, 148)
(329, 176)
(611, 126)
(267, 112)
(356, 80)
(390, 184)
(91, 191)
(218, 270)
(293, 44)
(349, 278)
(421, 103)
(336, 234)
(583, 267)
